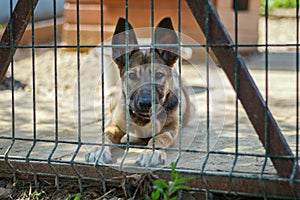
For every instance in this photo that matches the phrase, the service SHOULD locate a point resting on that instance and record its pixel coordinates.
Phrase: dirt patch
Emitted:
(134, 187)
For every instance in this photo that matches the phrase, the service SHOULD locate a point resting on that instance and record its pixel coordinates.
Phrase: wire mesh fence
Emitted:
(152, 91)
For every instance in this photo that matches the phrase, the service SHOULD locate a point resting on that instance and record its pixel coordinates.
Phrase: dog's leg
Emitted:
(102, 155)
(167, 138)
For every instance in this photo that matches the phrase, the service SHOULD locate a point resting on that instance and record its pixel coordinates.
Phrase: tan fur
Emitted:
(139, 85)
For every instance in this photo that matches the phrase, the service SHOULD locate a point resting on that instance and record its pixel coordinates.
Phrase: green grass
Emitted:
(272, 4)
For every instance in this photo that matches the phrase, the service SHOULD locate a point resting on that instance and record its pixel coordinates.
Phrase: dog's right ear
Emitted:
(119, 38)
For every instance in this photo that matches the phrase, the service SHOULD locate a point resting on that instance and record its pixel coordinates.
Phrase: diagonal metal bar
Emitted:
(249, 95)
(15, 28)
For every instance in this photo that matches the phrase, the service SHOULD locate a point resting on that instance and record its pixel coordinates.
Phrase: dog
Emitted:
(139, 89)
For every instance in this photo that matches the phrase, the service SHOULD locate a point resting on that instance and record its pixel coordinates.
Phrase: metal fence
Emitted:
(234, 145)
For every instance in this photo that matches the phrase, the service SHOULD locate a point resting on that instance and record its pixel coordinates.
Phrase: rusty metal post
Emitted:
(19, 20)
(249, 95)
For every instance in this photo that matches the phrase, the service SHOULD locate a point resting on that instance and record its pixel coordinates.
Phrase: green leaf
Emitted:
(158, 188)
(69, 197)
(74, 197)
(175, 176)
(173, 198)
(77, 196)
(174, 173)
(172, 191)
(183, 179)
(147, 197)
(178, 187)
(173, 166)
(155, 195)
(161, 184)
(38, 194)
(166, 197)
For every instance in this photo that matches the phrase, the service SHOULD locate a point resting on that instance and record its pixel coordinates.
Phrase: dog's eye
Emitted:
(132, 76)
(159, 75)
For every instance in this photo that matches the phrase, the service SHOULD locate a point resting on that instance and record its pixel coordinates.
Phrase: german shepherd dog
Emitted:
(137, 83)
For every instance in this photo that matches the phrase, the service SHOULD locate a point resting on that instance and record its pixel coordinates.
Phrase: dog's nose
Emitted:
(144, 103)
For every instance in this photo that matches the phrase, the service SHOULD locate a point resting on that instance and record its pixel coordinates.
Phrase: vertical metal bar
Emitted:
(78, 96)
(102, 91)
(78, 69)
(207, 43)
(127, 86)
(236, 45)
(12, 75)
(250, 96)
(267, 75)
(33, 82)
(55, 76)
(292, 178)
(266, 98)
(102, 70)
(13, 131)
(102, 76)
(102, 84)
(236, 81)
(11, 44)
(153, 79)
(56, 118)
(33, 95)
(33, 86)
(297, 82)
(179, 83)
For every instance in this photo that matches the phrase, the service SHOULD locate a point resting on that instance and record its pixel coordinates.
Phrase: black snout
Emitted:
(143, 99)
(144, 103)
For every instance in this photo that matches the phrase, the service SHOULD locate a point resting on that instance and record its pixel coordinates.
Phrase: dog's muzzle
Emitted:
(141, 107)
(141, 101)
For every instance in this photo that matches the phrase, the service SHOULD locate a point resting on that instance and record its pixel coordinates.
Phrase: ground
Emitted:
(282, 96)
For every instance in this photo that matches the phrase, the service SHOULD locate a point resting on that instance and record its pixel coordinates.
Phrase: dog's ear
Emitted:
(165, 34)
(119, 38)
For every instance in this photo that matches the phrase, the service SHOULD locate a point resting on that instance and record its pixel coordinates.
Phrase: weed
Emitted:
(169, 190)
(38, 194)
(74, 197)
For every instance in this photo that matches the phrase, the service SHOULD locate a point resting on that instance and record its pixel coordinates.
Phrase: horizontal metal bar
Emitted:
(187, 150)
(134, 146)
(89, 46)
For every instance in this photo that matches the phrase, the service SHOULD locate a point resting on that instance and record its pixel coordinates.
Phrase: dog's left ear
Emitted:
(165, 34)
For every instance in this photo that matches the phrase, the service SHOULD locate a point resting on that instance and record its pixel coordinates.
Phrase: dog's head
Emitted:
(142, 83)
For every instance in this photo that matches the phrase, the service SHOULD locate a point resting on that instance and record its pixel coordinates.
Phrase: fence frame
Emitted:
(288, 185)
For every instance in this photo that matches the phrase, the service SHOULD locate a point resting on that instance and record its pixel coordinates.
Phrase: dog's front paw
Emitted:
(158, 158)
(99, 155)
